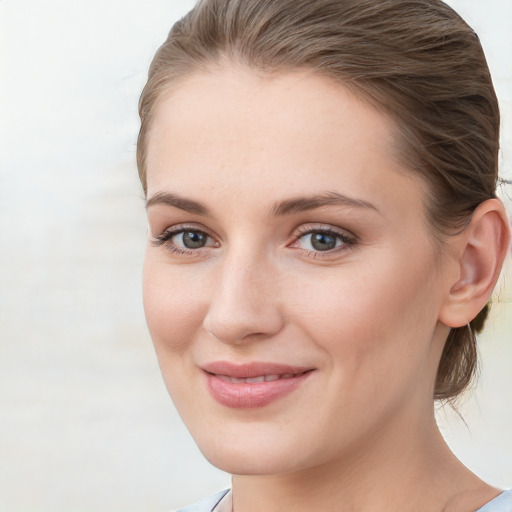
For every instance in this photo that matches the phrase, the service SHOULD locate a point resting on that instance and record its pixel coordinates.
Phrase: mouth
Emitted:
(252, 385)
(261, 378)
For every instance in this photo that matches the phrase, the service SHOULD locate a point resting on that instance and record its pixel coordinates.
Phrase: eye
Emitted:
(322, 240)
(184, 240)
(190, 239)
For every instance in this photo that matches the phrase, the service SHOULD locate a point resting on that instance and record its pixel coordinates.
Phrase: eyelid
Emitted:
(183, 226)
(349, 240)
(164, 238)
(307, 228)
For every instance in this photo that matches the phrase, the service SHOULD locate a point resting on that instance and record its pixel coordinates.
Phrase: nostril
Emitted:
(242, 328)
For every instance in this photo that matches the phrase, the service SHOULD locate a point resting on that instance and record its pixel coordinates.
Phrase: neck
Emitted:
(393, 473)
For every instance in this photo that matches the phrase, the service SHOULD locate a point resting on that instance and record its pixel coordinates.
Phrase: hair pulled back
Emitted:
(415, 60)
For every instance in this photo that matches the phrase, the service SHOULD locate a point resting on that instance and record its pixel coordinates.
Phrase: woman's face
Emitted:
(290, 284)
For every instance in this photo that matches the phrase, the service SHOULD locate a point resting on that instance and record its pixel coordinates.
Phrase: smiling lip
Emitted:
(252, 385)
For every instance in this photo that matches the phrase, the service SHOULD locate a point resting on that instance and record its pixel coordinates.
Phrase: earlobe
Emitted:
(481, 251)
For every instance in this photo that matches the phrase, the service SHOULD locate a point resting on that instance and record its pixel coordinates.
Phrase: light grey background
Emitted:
(85, 421)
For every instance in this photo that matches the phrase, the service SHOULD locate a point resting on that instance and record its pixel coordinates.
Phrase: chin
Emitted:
(256, 453)
(244, 462)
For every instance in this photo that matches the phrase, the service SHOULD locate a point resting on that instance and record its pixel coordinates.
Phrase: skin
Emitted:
(369, 316)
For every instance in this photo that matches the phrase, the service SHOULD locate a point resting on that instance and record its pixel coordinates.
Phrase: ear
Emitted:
(480, 251)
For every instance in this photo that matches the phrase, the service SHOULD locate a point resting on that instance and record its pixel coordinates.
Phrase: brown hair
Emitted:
(416, 60)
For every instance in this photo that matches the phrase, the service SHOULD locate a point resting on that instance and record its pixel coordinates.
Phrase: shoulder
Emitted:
(502, 503)
(206, 505)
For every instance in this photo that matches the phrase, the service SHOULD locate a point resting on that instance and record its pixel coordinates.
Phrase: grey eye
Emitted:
(323, 241)
(192, 239)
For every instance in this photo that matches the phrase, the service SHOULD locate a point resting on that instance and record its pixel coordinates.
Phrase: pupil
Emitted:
(194, 239)
(323, 241)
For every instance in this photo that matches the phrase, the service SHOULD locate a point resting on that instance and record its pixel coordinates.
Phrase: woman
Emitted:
(324, 237)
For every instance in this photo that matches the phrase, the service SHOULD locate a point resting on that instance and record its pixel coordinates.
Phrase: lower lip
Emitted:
(245, 395)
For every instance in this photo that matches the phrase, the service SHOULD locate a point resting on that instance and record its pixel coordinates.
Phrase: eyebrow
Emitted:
(286, 207)
(302, 204)
(170, 199)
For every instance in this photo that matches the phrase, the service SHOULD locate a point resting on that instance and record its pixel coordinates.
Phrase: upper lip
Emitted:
(252, 370)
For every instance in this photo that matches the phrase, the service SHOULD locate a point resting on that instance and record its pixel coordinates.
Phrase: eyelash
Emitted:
(347, 240)
(164, 239)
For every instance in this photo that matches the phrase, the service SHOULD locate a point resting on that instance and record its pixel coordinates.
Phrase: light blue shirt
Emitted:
(502, 503)
(206, 505)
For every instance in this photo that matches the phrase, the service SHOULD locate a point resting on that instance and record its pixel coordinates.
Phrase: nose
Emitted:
(245, 304)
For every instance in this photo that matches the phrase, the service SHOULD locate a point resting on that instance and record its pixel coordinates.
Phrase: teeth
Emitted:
(256, 380)
(235, 380)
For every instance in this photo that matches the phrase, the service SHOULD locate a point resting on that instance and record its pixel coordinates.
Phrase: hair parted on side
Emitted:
(415, 60)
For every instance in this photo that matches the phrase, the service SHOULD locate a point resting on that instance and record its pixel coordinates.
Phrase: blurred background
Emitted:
(85, 421)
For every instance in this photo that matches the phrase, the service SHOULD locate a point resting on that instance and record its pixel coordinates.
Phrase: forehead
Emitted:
(233, 128)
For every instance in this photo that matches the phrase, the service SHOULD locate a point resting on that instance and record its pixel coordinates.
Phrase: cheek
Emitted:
(373, 320)
(174, 316)
(172, 307)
